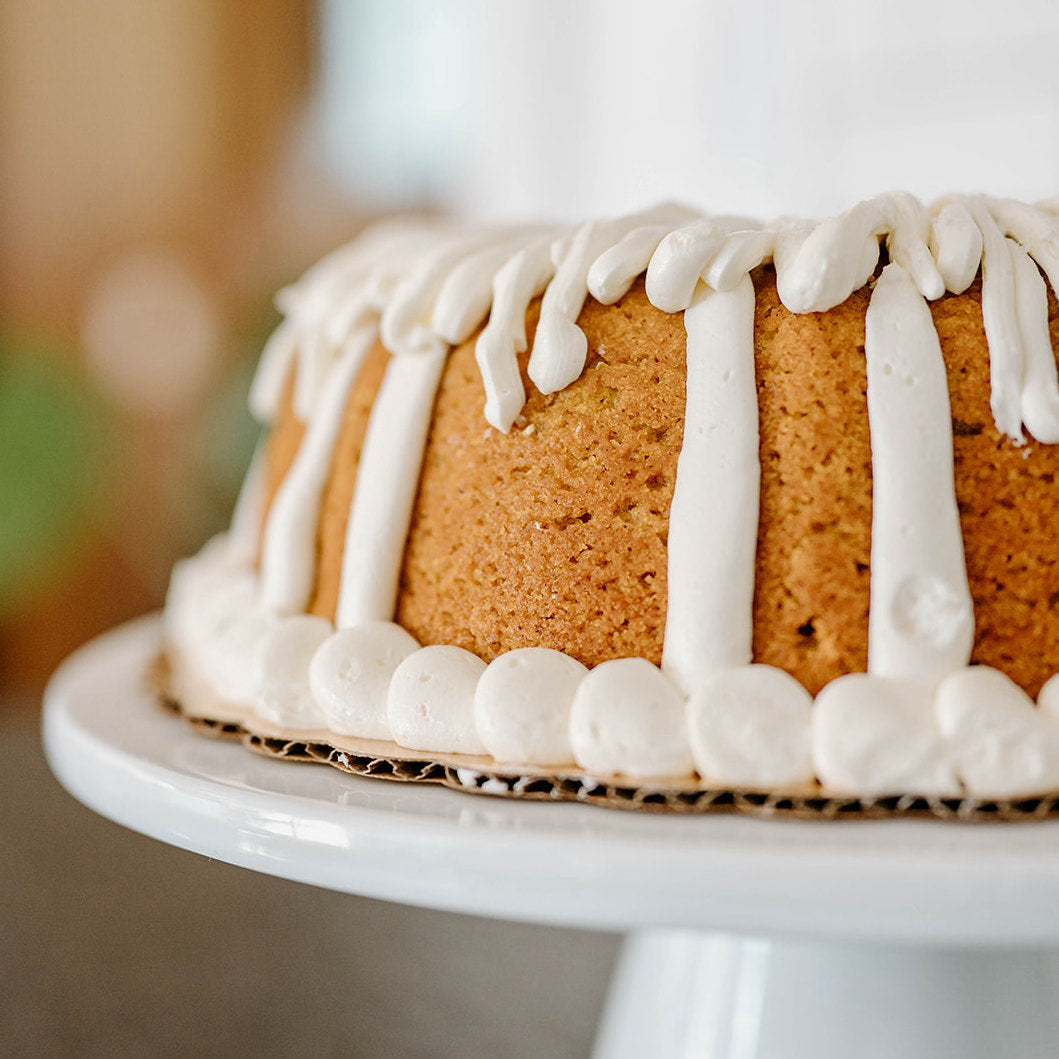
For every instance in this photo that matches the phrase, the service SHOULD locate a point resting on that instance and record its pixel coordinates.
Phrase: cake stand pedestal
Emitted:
(746, 939)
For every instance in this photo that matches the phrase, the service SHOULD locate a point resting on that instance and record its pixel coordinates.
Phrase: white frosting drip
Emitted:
(334, 298)
(430, 704)
(288, 551)
(384, 492)
(1036, 231)
(682, 257)
(712, 538)
(819, 267)
(467, 293)
(616, 269)
(1040, 383)
(350, 677)
(1001, 326)
(921, 622)
(431, 285)
(516, 284)
(408, 323)
(273, 370)
(749, 727)
(908, 224)
(741, 253)
(956, 243)
(560, 348)
(1024, 388)
(628, 718)
(522, 706)
(245, 531)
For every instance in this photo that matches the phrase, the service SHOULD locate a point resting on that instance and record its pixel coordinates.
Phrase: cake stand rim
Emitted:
(911, 881)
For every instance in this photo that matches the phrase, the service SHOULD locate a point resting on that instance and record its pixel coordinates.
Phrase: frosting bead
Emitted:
(522, 706)
(628, 718)
(282, 693)
(749, 727)
(233, 653)
(430, 705)
(1048, 699)
(350, 676)
(878, 736)
(1004, 747)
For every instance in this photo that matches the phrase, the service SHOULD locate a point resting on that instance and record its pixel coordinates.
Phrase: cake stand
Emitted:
(746, 938)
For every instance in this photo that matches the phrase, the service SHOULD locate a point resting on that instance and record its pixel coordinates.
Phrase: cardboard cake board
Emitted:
(181, 692)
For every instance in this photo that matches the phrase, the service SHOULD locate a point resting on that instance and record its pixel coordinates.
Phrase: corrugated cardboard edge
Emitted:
(383, 760)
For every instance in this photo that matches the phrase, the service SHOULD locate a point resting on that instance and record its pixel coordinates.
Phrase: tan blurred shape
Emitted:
(155, 128)
(123, 121)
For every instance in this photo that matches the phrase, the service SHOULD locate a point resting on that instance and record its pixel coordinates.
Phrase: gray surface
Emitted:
(111, 943)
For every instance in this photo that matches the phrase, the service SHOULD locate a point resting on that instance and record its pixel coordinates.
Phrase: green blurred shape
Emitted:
(54, 440)
(225, 432)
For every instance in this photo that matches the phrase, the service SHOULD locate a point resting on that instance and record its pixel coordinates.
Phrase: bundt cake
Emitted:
(672, 500)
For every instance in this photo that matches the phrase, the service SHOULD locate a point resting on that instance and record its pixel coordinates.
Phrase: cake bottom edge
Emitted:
(477, 775)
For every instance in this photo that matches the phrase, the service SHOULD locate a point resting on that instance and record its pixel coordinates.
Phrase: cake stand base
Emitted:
(747, 938)
(720, 996)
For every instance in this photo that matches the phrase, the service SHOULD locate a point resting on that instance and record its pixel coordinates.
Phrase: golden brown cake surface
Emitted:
(338, 493)
(1008, 506)
(554, 534)
(814, 530)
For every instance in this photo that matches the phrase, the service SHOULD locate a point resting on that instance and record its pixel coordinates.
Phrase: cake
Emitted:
(673, 502)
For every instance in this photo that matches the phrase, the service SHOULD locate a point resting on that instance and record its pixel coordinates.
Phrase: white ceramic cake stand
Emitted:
(746, 938)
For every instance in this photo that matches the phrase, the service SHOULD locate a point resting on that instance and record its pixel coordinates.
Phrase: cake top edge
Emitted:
(421, 286)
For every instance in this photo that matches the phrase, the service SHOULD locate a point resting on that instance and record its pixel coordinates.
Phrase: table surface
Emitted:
(923, 882)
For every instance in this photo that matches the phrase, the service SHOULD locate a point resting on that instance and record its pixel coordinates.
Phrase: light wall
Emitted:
(560, 109)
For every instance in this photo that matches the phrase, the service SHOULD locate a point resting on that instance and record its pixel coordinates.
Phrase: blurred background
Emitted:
(165, 167)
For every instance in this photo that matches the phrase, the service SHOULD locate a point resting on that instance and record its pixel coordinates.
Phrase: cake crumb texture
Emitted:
(814, 531)
(1009, 507)
(554, 534)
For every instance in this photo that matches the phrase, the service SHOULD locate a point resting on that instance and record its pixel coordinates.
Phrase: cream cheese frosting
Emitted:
(522, 706)
(430, 701)
(921, 621)
(350, 676)
(920, 721)
(713, 518)
(282, 692)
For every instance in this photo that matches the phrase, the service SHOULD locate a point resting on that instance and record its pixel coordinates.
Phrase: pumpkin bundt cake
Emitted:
(672, 498)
